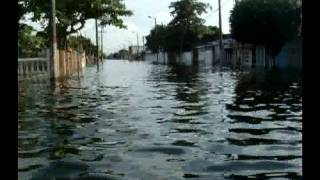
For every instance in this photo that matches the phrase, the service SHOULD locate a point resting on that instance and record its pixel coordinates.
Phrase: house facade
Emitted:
(135, 51)
(290, 55)
(248, 55)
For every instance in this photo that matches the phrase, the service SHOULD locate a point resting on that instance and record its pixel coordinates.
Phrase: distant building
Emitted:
(213, 46)
(134, 50)
(290, 54)
(124, 54)
(248, 55)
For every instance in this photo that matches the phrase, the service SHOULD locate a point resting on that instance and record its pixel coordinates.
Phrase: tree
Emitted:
(185, 29)
(186, 20)
(72, 14)
(207, 33)
(157, 38)
(29, 43)
(187, 13)
(76, 42)
(21, 12)
(166, 38)
(267, 22)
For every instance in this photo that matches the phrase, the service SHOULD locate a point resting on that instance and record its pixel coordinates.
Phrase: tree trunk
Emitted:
(62, 42)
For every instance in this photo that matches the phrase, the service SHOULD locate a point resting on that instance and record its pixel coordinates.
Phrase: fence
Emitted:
(33, 68)
(67, 63)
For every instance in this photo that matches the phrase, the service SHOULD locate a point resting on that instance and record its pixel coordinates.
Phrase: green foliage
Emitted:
(123, 53)
(21, 11)
(156, 40)
(81, 42)
(72, 14)
(180, 39)
(267, 22)
(104, 55)
(29, 43)
(185, 29)
(168, 38)
(187, 13)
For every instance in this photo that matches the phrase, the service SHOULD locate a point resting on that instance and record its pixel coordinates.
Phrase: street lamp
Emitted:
(155, 25)
(143, 47)
(155, 20)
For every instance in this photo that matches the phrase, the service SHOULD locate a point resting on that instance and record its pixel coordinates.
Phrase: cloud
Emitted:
(131, 26)
(35, 25)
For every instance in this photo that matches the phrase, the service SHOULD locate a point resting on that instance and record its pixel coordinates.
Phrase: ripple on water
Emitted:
(185, 130)
(164, 150)
(61, 169)
(169, 123)
(252, 166)
(238, 166)
(271, 175)
(183, 143)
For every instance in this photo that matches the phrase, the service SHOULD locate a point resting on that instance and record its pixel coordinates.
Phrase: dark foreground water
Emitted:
(134, 120)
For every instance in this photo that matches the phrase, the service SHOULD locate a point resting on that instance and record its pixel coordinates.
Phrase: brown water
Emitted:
(133, 120)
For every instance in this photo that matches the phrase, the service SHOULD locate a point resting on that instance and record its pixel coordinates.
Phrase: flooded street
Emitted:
(134, 120)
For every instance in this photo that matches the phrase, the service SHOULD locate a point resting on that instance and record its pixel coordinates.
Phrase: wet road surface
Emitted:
(134, 120)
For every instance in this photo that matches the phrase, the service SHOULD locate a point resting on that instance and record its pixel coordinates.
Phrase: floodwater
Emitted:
(134, 120)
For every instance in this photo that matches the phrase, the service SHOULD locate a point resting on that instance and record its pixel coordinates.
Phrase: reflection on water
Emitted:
(133, 120)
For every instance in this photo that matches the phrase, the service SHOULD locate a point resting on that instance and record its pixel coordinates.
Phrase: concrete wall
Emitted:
(152, 58)
(184, 59)
(164, 58)
(246, 57)
(205, 57)
(68, 63)
(216, 54)
(260, 56)
(242, 54)
(290, 55)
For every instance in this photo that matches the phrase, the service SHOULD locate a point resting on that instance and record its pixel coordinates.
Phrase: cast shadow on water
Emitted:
(265, 120)
(189, 93)
(266, 108)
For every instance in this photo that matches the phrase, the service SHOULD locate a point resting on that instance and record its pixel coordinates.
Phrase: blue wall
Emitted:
(290, 55)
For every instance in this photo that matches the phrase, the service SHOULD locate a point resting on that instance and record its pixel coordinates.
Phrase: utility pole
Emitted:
(143, 48)
(220, 37)
(143, 43)
(97, 43)
(155, 26)
(53, 40)
(101, 44)
(138, 46)
(129, 49)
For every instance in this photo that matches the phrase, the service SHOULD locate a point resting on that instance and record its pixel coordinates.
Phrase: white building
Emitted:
(134, 50)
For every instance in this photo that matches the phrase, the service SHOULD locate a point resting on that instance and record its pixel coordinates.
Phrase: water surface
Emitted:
(133, 119)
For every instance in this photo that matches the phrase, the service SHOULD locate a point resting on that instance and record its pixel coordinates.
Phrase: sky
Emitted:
(115, 39)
